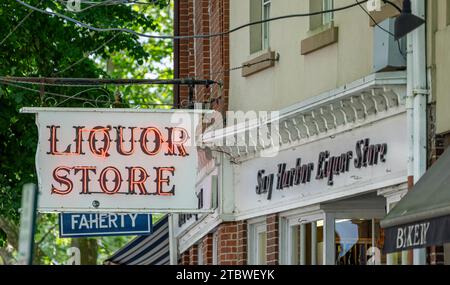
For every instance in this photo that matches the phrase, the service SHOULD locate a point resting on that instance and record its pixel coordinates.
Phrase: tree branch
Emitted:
(12, 232)
(45, 236)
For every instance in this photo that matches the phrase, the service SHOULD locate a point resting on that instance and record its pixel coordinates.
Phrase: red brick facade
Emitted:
(203, 58)
(193, 255)
(207, 247)
(232, 243)
(208, 58)
(184, 260)
(232, 246)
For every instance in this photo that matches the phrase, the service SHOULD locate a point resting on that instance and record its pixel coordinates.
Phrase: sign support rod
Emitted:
(27, 224)
(173, 251)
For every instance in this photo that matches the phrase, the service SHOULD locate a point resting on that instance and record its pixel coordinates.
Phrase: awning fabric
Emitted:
(146, 250)
(422, 217)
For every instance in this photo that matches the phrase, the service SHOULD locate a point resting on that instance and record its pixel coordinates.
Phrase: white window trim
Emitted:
(265, 26)
(286, 225)
(327, 18)
(255, 227)
(200, 254)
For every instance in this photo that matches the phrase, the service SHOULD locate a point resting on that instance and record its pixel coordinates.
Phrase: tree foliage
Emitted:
(48, 46)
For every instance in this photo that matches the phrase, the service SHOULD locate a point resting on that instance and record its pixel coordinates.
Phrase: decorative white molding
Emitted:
(354, 105)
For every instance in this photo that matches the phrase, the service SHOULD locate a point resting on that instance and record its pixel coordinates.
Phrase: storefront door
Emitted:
(306, 240)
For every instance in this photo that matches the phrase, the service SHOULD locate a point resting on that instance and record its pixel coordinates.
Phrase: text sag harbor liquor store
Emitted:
(319, 197)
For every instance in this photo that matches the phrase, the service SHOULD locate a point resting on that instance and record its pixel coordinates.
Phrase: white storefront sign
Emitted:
(113, 160)
(342, 165)
(206, 194)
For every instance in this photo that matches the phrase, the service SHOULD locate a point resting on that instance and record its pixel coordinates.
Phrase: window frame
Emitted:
(265, 34)
(327, 18)
(255, 228)
(298, 220)
(200, 260)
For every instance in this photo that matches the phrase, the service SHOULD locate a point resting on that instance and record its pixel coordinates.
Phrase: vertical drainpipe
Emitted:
(176, 53)
(406, 258)
(173, 242)
(420, 92)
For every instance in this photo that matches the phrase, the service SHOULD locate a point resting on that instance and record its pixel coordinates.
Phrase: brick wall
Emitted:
(242, 243)
(186, 46)
(220, 52)
(201, 47)
(204, 58)
(207, 246)
(193, 255)
(232, 243)
(185, 258)
(272, 239)
(232, 246)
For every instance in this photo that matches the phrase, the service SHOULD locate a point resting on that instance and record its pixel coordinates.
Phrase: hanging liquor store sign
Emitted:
(113, 160)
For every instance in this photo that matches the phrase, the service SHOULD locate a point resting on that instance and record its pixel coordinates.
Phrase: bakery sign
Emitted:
(115, 160)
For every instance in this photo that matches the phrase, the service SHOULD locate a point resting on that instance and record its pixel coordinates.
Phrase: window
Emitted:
(358, 242)
(448, 12)
(257, 240)
(320, 20)
(266, 15)
(303, 242)
(327, 18)
(306, 243)
(259, 34)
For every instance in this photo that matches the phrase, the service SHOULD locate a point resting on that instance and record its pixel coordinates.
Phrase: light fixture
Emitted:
(406, 22)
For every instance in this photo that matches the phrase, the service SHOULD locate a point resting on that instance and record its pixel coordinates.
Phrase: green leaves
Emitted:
(47, 46)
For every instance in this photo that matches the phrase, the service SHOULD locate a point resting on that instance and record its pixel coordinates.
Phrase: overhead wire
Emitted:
(197, 36)
(383, 29)
(86, 56)
(18, 25)
(74, 97)
(87, 82)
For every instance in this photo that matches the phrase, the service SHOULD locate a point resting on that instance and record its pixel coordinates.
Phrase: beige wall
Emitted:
(295, 77)
(441, 65)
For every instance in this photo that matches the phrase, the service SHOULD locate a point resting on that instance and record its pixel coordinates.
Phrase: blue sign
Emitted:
(104, 224)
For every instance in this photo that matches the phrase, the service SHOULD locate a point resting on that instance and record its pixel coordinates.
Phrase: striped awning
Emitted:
(146, 250)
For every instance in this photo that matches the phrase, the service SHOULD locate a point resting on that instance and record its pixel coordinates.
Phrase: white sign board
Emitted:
(347, 164)
(116, 160)
(207, 199)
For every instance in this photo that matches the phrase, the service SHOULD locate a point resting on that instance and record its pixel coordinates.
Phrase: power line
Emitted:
(115, 2)
(247, 65)
(83, 82)
(17, 26)
(50, 93)
(74, 97)
(87, 55)
(199, 36)
(373, 20)
(383, 29)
